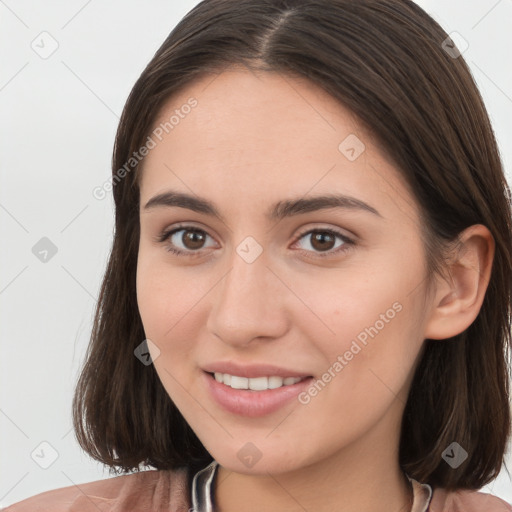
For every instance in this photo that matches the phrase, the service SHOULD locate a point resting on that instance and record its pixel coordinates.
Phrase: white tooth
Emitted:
(258, 383)
(275, 382)
(239, 382)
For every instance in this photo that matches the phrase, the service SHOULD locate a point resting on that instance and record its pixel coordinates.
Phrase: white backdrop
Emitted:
(67, 69)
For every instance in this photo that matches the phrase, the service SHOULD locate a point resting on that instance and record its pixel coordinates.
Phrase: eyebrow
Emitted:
(277, 211)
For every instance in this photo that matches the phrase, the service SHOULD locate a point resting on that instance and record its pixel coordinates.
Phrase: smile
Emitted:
(260, 398)
(255, 383)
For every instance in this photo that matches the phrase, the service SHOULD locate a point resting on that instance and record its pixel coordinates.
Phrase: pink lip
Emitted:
(252, 370)
(246, 402)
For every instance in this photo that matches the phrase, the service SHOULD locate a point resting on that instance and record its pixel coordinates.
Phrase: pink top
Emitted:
(167, 491)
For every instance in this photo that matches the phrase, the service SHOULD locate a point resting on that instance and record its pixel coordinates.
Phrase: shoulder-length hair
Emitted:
(392, 65)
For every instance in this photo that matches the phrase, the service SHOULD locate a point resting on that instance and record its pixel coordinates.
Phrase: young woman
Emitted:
(307, 303)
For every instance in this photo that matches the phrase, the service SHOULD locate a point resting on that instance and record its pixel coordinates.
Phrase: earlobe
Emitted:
(458, 299)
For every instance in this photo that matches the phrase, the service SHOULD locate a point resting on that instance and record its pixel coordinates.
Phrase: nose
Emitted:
(249, 302)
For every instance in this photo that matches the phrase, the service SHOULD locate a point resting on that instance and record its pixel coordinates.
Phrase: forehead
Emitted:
(262, 134)
(254, 106)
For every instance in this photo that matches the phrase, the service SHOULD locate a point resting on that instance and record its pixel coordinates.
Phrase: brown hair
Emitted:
(386, 62)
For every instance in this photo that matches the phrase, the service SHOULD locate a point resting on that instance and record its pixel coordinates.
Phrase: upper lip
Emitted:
(251, 370)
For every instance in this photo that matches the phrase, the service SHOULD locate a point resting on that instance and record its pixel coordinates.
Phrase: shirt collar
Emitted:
(422, 495)
(203, 485)
(202, 488)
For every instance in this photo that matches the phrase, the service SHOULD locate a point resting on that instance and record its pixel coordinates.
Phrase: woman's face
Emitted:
(274, 280)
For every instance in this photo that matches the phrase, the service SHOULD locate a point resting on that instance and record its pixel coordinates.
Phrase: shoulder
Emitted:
(147, 490)
(464, 500)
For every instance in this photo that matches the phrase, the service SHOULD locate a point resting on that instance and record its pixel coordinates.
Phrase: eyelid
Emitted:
(335, 230)
(348, 241)
(166, 233)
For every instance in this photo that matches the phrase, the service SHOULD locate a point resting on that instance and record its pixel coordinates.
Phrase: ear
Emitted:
(458, 299)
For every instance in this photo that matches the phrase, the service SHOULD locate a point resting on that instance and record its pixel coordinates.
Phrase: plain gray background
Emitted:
(59, 114)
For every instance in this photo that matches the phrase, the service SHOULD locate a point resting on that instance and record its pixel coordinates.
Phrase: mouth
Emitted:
(255, 383)
(255, 396)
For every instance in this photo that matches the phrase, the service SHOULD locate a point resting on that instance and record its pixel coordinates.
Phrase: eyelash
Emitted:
(347, 242)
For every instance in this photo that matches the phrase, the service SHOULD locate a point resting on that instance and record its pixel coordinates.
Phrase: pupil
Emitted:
(194, 237)
(321, 238)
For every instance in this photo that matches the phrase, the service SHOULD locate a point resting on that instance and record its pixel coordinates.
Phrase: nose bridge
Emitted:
(246, 304)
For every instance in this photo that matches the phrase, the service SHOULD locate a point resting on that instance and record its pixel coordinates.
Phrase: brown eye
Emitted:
(192, 239)
(322, 242)
(189, 242)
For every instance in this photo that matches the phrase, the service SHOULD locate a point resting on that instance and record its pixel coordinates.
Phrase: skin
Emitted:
(253, 140)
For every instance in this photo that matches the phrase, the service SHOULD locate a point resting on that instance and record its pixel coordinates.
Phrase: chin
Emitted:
(249, 460)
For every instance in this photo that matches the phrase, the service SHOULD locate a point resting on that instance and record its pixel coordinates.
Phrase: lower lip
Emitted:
(251, 403)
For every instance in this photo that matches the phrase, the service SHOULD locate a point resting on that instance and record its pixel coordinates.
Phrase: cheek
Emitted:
(164, 296)
(171, 303)
(163, 312)
(344, 305)
(369, 317)
(152, 298)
